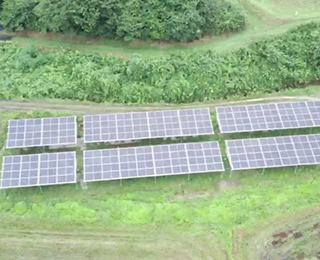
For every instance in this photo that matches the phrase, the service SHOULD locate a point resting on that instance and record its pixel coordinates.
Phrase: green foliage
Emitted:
(5, 206)
(128, 19)
(18, 14)
(20, 208)
(30, 58)
(286, 61)
(38, 211)
(75, 213)
(257, 198)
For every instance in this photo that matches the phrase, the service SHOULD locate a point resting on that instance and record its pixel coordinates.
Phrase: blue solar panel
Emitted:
(274, 152)
(152, 161)
(38, 170)
(42, 132)
(147, 125)
(264, 117)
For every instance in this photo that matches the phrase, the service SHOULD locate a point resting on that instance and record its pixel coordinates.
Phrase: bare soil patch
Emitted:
(52, 36)
(99, 40)
(296, 237)
(192, 196)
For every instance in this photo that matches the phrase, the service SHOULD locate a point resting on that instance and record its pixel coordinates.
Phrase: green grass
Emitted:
(288, 9)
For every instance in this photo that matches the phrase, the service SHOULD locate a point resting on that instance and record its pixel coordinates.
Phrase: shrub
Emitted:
(127, 19)
(20, 208)
(18, 15)
(74, 212)
(285, 61)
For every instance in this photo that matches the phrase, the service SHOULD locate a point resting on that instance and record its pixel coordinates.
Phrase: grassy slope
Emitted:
(265, 18)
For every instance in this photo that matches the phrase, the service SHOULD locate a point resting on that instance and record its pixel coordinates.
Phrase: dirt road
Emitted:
(102, 108)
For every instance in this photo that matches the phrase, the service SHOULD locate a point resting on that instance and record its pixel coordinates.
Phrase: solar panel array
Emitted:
(38, 170)
(265, 117)
(274, 152)
(42, 132)
(147, 125)
(152, 161)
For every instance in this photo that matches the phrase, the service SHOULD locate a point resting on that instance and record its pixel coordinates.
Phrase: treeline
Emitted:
(285, 61)
(179, 20)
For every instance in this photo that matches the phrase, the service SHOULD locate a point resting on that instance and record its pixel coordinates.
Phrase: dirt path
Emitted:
(97, 108)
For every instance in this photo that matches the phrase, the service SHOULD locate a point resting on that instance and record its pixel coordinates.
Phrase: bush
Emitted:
(18, 14)
(20, 208)
(286, 61)
(75, 213)
(127, 19)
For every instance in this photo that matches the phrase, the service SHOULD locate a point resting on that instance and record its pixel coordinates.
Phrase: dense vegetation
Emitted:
(285, 61)
(128, 19)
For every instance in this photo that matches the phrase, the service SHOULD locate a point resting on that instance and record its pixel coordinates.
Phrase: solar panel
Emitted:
(274, 152)
(265, 117)
(42, 132)
(38, 170)
(147, 125)
(152, 161)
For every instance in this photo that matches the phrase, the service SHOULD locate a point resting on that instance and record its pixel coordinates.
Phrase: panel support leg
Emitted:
(40, 189)
(155, 179)
(120, 182)
(230, 173)
(188, 176)
(295, 169)
(262, 173)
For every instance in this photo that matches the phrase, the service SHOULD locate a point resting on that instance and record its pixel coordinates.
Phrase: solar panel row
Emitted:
(265, 117)
(147, 125)
(42, 132)
(161, 160)
(38, 170)
(274, 152)
(150, 161)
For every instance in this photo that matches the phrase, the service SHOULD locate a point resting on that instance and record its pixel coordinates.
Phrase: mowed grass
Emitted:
(288, 9)
(165, 218)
